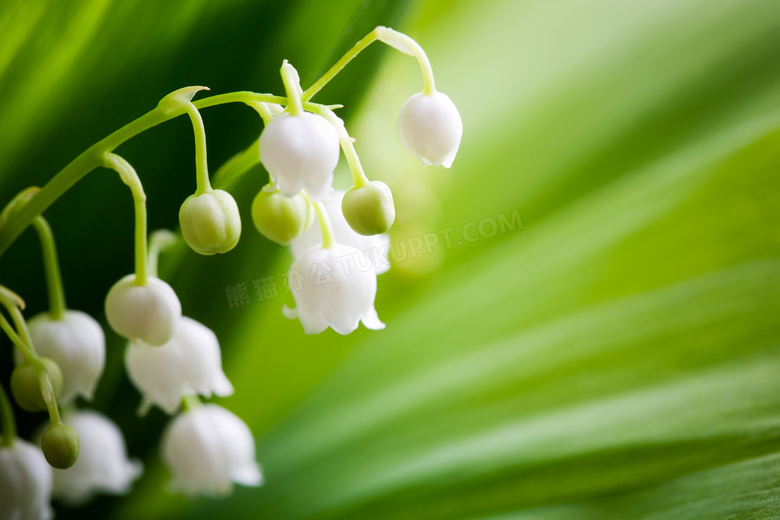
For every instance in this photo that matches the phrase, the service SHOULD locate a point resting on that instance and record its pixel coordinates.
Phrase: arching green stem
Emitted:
(129, 176)
(7, 416)
(347, 145)
(336, 68)
(325, 226)
(201, 162)
(394, 39)
(159, 241)
(407, 45)
(51, 267)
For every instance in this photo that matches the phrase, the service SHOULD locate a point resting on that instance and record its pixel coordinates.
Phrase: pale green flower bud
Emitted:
(60, 445)
(369, 209)
(279, 218)
(210, 222)
(26, 387)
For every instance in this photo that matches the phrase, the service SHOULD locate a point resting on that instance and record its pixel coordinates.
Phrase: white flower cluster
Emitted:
(206, 447)
(174, 360)
(333, 275)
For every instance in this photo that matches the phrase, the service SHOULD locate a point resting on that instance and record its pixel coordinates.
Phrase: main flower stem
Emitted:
(94, 156)
(7, 416)
(52, 268)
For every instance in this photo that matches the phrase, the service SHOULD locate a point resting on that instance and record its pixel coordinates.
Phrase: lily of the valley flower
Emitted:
(78, 346)
(300, 151)
(333, 287)
(189, 363)
(102, 466)
(375, 248)
(207, 449)
(430, 128)
(147, 312)
(25, 482)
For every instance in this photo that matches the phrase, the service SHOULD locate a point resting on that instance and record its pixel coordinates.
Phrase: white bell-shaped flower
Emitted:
(78, 346)
(102, 466)
(147, 312)
(25, 482)
(300, 151)
(430, 128)
(207, 449)
(331, 289)
(375, 248)
(189, 363)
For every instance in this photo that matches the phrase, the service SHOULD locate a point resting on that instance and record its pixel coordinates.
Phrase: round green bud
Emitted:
(61, 445)
(279, 218)
(210, 222)
(26, 387)
(369, 209)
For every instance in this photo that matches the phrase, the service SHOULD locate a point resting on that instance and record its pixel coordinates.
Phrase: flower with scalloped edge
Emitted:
(207, 449)
(189, 363)
(77, 344)
(430, 128)
(147, 312)
(25, 482)
(333, 287)
(375, 248)
(102, 466)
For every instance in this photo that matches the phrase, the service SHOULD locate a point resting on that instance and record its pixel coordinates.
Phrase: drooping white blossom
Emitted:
(189, 363)
(430, 128)
(77, 344)
(147, 312)
(333, 287)
(102, 466)
(207, 449)
(375, 248)
(300, 151)
(25, 482)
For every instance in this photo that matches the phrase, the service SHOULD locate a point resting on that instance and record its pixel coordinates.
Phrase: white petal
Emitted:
(330, 289)
(78, 346)
(147, 312)
(430, 128)
(25, 482)
(102, 466)
(300, 151)
(207, 449)
(189, 362)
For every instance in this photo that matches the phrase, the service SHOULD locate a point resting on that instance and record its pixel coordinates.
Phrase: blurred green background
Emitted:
(617, 356)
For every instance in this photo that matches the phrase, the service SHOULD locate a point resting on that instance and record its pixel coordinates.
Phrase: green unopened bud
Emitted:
(369, 209)
(210, 222)
(61, 445)
(26, 387)
(280, 218)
